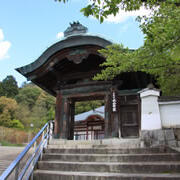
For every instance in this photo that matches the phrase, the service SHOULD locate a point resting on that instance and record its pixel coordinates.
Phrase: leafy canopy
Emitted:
(28, 95)
(8, 108)
(34, 106)
(9, 87)
(85, 106)
(160, 54)
(101, 9)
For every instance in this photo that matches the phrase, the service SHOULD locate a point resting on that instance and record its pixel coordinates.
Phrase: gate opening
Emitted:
(89, 125)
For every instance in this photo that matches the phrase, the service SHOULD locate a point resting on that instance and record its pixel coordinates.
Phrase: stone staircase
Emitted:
(106, 160)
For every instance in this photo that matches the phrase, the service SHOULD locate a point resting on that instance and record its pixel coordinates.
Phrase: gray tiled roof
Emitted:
(83, 116)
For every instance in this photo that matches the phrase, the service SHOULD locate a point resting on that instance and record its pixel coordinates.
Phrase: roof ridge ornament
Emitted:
(75, 28)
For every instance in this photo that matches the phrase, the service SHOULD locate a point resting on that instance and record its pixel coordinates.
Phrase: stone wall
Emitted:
(161, 137)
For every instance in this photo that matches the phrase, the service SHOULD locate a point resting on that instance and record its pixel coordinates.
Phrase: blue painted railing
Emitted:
(22, 167)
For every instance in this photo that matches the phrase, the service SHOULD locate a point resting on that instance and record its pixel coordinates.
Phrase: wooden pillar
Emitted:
(115, 125)
(71, 120)
(119, 118)
(57, 127)
(65, 119)
(107, 127)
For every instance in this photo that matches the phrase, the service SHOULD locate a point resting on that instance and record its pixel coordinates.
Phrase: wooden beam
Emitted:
(86, 89)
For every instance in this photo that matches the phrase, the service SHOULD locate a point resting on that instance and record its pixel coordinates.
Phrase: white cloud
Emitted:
(125, 27)
(124, 15)
(4, 46)
(60, 35)
(76, 1)
(1, 35)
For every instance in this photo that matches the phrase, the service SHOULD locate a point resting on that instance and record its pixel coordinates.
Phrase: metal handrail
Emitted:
(33, 159)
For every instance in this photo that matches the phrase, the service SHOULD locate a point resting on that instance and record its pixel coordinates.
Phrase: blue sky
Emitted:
(27, 28)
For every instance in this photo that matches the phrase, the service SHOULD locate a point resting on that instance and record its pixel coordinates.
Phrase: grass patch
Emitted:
(6, 143)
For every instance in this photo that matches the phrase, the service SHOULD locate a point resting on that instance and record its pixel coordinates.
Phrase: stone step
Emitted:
(112, 157)
(104, 143)
(117, 167)
(111, 141)
(92, 146)
(62, 175)
(108, 150)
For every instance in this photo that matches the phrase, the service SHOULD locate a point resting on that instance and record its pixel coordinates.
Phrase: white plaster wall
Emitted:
(150, 116)
(170, 113)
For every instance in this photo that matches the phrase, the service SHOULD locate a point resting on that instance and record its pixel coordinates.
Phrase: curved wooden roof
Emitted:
(69, 42)
(75, 55)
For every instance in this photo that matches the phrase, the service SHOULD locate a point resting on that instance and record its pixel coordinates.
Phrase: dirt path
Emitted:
(7, 155)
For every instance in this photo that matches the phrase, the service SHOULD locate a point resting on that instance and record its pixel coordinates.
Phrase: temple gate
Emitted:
(65, 70)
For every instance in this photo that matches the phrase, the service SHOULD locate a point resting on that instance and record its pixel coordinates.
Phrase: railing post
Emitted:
(42, 138)
(17, 171)
(35, 144)
(50, 130)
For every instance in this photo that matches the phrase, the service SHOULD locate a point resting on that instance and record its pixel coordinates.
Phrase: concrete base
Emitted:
(158, 137)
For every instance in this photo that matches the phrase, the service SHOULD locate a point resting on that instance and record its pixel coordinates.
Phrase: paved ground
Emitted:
(7, 155)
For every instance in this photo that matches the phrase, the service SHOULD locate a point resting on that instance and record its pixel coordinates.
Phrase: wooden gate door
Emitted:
(129, 121)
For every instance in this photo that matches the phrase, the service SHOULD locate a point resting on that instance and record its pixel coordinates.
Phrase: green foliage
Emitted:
(85, 106)
(51, 114)
(5, 119)
(23, 113)
(28, 96)
(102, 9)
(118, 60)
(1, 90)
(33, 106)
(159, 56)
(8, 107)
(16, 124)
(9, 87)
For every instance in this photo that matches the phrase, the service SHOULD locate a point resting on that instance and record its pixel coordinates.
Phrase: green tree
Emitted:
(85, 106)
(35, 106)
(1, 90)
(9, 87)
(16, 124)
(160, 54)
(42, 111)
(23, 114)
(28, 95)
(8, 108)
(102, 9)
